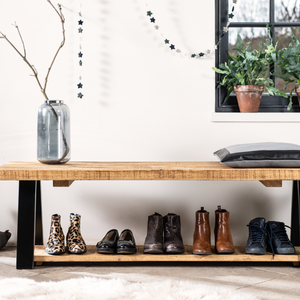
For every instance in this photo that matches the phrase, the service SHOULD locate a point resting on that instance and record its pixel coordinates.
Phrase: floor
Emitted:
(265, 280)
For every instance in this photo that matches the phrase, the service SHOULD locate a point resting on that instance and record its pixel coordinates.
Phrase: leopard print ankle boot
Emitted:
(75, 242)
(56, 241)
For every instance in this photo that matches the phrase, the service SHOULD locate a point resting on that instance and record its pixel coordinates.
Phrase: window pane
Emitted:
(287, 10)
(283, 35)
(253, 35)
(250, 11)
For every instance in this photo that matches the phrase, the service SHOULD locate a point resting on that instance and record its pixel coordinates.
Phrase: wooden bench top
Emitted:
(78, 170)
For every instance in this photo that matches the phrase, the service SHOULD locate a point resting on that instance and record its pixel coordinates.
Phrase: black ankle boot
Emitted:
(154, 238)
(172, 234)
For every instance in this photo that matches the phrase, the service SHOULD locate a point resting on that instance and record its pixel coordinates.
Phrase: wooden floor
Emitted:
(91, 255)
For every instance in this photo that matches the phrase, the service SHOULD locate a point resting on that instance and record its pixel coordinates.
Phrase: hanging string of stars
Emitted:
(80, 54)
(200, 54)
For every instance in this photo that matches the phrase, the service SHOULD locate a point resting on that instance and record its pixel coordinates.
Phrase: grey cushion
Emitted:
(260, 155)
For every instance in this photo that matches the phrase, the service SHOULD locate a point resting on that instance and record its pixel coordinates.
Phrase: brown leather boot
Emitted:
(223, 238)
(154, 239)
(172, 234)
(201, 244)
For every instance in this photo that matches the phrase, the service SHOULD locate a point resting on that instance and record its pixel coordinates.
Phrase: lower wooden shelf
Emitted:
(91, 255)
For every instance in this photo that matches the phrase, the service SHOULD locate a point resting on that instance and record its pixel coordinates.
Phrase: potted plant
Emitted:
(288, 60)
(247, 73)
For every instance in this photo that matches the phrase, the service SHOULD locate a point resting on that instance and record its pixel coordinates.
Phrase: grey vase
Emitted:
(4, 237)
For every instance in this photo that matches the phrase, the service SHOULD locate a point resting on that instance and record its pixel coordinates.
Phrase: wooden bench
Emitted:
(30, 247)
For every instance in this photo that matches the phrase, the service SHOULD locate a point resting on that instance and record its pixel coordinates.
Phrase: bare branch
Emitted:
(27, 62)
(35, 73)
(62, 19)
(17, 27)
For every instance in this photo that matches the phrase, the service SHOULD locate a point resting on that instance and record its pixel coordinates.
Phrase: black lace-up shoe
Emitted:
(257, 239)
(278, 239)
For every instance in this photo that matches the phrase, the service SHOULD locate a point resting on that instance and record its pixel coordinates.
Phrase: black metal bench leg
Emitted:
(295, 222)
(26, 224)
(38, 219)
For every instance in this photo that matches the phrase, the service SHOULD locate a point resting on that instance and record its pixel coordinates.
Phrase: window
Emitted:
(250, 20)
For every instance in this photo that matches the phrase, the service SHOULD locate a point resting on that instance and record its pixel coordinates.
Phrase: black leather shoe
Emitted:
(154, 239)
(109, 243)
(126, 243)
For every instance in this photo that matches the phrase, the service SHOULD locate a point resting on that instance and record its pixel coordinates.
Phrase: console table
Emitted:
(30, 247)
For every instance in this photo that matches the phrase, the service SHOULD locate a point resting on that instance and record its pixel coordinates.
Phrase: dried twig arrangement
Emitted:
(34, 70)
(32, 67)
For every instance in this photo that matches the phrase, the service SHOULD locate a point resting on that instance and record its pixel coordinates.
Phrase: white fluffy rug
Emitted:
(116, 289)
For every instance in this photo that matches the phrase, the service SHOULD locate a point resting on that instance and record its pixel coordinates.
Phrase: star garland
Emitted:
(200, 54)
(80, 54)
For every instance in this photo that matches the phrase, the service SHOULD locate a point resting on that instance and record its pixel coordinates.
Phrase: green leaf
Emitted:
(219, 71)
(239, 42)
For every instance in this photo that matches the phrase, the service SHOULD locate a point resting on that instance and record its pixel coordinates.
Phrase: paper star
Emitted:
(149, 13)
(80, 54)
(208, 51)
(231, 16)
(225, 29)
(156, 27)
(152, 20)
(193, 55)
(79, 95)
(80, 62)
(167, 41)
(201, 54)
(80, 22)
(234, 1)
(79, 85)
(172, 47)
(178, 51)
(80, 30)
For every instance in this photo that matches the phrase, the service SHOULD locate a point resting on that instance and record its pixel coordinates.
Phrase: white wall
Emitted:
(142, 102)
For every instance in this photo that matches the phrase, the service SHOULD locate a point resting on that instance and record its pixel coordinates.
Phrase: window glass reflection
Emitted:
(250, 11)
(287, 11)
(283, 37)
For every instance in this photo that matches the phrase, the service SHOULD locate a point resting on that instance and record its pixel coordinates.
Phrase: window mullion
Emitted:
(272, 29)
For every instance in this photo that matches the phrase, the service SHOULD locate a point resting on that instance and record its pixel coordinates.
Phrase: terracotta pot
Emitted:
(248, 97)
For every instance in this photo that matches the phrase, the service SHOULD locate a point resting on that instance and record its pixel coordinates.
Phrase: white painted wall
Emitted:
(142, 102)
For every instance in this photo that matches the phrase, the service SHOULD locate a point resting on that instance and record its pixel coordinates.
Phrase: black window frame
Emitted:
(268, 104)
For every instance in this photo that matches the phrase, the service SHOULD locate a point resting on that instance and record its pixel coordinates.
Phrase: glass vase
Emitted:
(53, 133)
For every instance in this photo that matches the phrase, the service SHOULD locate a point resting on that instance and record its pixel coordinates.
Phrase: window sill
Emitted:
(256, 117)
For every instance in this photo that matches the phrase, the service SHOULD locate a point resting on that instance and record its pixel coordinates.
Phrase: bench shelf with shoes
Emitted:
(30, 229)
(40, 256)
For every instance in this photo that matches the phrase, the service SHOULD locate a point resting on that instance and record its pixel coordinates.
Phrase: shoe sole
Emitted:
(151, 251)
(71, 252)
(225, 252)
(126, 251)
(55, 253)
(287, 251)
(111, 251)
(174, 251)
(256, 253)
(202, 253)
